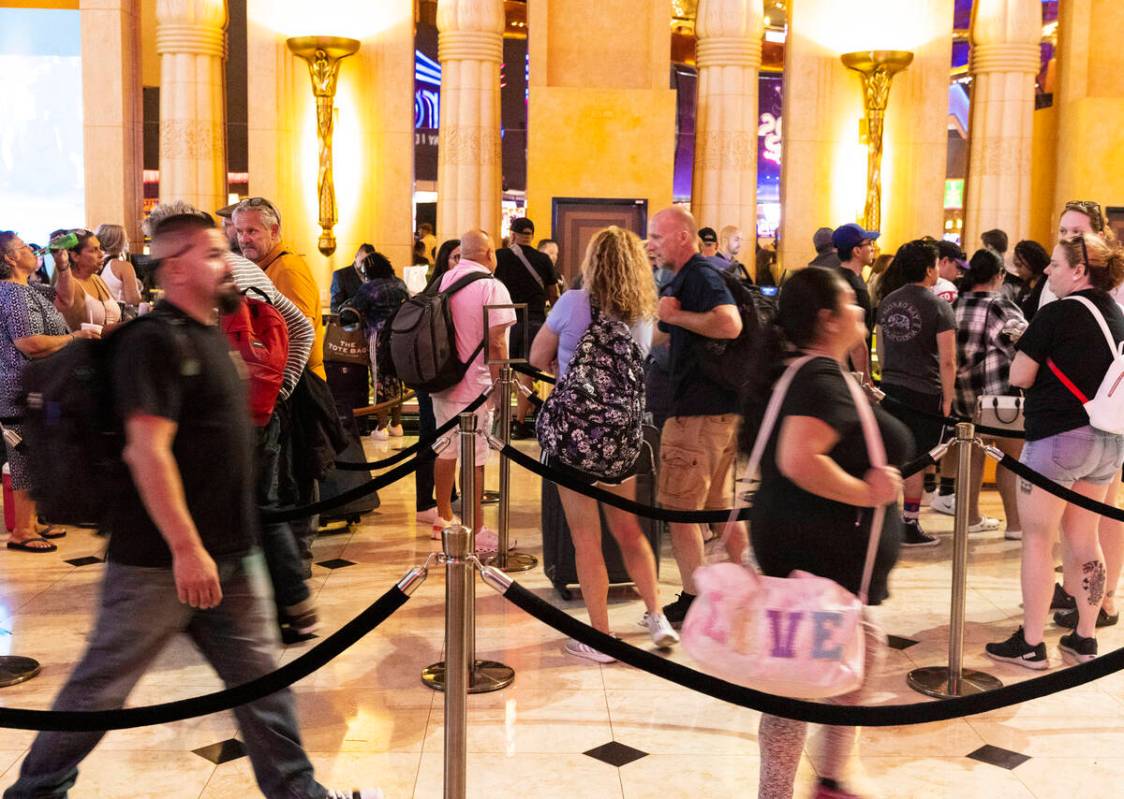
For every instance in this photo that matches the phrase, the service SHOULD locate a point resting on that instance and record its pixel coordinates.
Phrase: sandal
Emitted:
(51, 533)
(27, 545)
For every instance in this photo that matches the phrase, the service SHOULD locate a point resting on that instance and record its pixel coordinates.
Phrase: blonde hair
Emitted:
(113, 241)
(618, 277)
(1103, 260)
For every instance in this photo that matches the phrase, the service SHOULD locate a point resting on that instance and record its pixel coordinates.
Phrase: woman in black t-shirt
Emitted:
(816, 461)
(1062, 354)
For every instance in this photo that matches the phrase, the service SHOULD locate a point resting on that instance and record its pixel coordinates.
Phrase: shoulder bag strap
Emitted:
(1100, 322)
(457, 285)
(515, 248)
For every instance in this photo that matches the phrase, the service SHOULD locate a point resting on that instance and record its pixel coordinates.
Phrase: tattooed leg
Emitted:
(1093, 581)
(1025, 486)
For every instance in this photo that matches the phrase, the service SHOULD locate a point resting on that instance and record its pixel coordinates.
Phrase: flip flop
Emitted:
(25, 546)
(51, 533)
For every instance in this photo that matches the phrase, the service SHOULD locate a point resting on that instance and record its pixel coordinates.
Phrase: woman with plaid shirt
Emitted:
(987, 326)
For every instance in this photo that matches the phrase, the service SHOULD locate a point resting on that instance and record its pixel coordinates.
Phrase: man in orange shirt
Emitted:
(258, 225)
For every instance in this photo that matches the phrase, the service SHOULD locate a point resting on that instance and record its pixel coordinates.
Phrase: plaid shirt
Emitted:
(983, 356)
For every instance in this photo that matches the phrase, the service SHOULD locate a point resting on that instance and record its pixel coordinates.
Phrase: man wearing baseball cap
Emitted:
(530, 277)
(950, 267)
(708, 242)
(855, 249)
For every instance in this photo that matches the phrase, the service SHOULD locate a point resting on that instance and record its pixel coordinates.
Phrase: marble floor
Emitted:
(566, 728)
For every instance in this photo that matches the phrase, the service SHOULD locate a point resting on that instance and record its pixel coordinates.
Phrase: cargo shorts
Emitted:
(696, 457)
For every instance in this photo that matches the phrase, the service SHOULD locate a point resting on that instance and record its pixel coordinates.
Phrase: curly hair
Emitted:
(618, 277)
(1104, 260)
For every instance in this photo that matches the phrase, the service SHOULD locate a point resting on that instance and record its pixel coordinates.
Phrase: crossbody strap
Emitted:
(515, 248)
(1112, 348)
(876, 451)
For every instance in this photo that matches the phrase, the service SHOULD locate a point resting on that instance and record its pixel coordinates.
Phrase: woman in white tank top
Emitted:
(117, 272)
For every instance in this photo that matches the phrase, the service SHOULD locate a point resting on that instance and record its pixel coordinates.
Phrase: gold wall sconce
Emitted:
(877, 68)
(323, 54)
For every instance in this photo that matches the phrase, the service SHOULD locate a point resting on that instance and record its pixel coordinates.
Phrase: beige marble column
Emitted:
(112, 113)
(191, 41)
(470, 49)
(728, 55)
(1005, 58)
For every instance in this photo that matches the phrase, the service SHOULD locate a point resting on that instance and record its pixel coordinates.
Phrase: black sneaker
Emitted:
(677, 610)
(1016, 650)
(1062, 600)
(1068, 618)
(1078, 648)
(914, 536)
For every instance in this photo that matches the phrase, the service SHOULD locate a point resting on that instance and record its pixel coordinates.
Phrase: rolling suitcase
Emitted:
(336, 481)
(558, 547)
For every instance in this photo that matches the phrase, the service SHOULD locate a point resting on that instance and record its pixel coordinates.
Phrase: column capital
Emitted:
(730, 19)
(1005, 57)
(484, 16)
(1007, 22)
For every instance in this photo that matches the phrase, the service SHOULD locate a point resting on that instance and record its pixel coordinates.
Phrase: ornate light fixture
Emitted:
(323, 54)
(877, 68)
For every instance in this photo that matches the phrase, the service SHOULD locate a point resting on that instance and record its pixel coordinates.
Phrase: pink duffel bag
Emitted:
(798, 636)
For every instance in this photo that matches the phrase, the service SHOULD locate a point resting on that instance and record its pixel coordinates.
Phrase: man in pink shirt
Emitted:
(477, 255)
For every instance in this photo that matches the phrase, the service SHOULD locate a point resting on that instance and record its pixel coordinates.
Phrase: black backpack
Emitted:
(421, 338)
(73, 436)
(729, 362)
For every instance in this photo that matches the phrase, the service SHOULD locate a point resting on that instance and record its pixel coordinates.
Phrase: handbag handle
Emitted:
(875, 448)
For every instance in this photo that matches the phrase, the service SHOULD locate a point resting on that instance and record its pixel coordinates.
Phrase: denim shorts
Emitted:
(1086, 454)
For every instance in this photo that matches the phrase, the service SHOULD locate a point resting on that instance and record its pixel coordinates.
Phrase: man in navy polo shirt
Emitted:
(698, 446)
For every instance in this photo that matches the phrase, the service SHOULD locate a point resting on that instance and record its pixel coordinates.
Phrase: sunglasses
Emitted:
(261, 202)
(1090, 208)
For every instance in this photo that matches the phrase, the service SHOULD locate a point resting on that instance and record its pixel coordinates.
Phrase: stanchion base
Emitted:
(487, 676)
(516, 561)
(490, 498)
(14, 670)
(935, 681)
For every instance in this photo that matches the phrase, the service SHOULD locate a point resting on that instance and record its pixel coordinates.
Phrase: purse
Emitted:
(346, 343)
(1001, 411)
(799, 636)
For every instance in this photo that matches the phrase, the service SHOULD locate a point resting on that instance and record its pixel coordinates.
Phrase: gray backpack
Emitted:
(422, 338)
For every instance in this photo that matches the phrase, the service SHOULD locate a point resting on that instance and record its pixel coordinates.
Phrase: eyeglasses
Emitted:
(1084, 252)
(261, 202)
(1090, 208)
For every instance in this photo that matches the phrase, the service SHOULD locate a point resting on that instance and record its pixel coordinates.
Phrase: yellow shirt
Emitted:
(293, 278)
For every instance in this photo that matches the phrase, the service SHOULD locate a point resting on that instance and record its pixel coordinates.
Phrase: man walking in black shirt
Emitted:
(183, 554)
(530, 277)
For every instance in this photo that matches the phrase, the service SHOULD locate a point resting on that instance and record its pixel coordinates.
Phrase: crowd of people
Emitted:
(930, 334)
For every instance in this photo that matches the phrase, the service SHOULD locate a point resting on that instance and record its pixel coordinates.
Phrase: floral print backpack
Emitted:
(593, 419)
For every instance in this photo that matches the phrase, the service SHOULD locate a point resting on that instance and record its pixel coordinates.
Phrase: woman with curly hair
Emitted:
(616, 282)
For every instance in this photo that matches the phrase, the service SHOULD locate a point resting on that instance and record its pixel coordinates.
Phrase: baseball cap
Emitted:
(851, 235)
(950, 250)
(522, 225)
(821, 239)
(708, 235)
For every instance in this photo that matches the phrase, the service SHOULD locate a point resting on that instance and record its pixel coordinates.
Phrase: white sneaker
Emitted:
(355, 793)
(380, 434)
(488, 541)
(396, 431)
(984, 525)
(580, 650)
(427, 516)
(660, 630)
(440, 524)
(944, 503)
(1013, 535)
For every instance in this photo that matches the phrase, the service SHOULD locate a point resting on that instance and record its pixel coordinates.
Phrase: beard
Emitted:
(228, 298)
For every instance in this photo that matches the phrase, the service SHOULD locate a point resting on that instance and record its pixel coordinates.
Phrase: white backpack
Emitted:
(1106, 409)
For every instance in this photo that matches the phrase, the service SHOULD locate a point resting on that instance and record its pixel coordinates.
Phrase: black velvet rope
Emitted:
(289, 513)
(601, 495)
(428, 441)
(815, 712)
(124, 718)
(1070, 496)
(530, 371)
(648, 511)
(983, 430)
